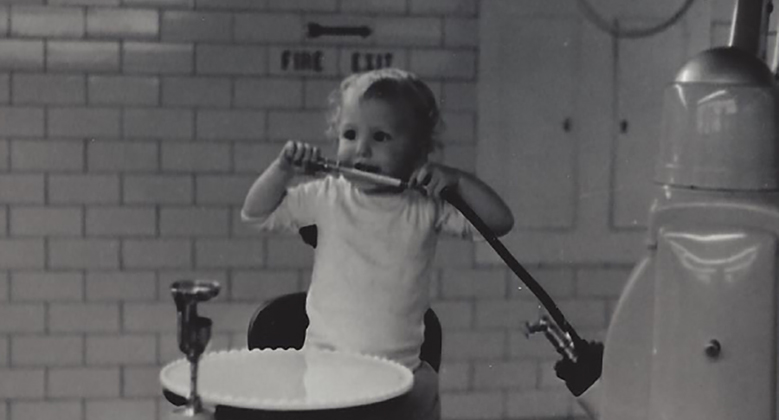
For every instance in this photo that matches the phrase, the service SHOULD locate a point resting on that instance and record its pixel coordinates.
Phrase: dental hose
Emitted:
(455, 200)
(449, 195)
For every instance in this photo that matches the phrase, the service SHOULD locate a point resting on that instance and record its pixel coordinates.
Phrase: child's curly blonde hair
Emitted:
(396, 86)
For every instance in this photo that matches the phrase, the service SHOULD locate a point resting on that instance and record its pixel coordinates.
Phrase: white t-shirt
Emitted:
(372, 264)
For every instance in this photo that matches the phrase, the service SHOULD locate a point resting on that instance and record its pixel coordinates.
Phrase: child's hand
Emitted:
(433, 178)
(296, 156)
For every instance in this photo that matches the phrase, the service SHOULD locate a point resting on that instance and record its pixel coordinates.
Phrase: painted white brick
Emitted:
(49, 350)
(409, 31)
(540, 404)
(46, 221)
(121, 285)
(47, 410)
(188, 26)
(48, 89)
(305, 125)
(141, 381)
(18, 318)
(459, 96)
(460, 156)
(123, 90)
(121, 221)
(230, 125)
(231, 4)
(22, 383)
(49, 156)
(482, 283)
(601, 282)
(289, 252)
(317, 91)
(454, 253)
(222, 189)
(254, 158)
(84, 253)
(157, 253)
(50, 22)
(263, 284)
(188, 4)
(444, 7)
(84, 382)
(21, 188)
(194, 221)
(4, 23)
(158, 189)
(4, 285)
(268, 93)
(459, 127)
(269, 28)
(229, 253)
(195, 157)
(375, 6)
(4, 155)
(449, 64)
(150, 317)
(89, 317)
(472, 405)
(158, 123)
(454, 376)
(17, 54)
(231, 59)
(512, 314)
(474, 345)
(124, 409)
(5, 88)
(303, 5)
(461, 32)
(585, 313)
(21, 121)
(84, 189)
(157, 58)
(124, 349)
(83, 122)
(93, 56)
(454, 315)
(21, 253)
(505, 375)
(113, 156)
(122, 23)
(47, 286)
(196, 91)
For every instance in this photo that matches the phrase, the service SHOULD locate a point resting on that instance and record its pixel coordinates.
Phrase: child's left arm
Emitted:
(480, 197)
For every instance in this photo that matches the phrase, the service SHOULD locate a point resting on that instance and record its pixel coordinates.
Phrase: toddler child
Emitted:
(372, 265)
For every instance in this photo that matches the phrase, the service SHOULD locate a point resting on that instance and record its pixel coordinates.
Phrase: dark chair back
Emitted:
(282, 323)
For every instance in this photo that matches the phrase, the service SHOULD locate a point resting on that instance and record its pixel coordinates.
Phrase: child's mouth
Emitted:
(367, 167)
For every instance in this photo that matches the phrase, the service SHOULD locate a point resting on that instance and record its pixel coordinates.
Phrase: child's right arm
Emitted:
(268, 190)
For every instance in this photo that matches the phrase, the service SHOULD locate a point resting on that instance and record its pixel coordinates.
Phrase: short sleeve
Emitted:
(297, 209)
(451, 222)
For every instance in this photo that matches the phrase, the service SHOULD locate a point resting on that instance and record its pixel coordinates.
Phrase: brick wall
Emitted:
(130, 131)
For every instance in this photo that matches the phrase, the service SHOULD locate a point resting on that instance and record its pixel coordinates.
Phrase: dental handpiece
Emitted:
(332, 166)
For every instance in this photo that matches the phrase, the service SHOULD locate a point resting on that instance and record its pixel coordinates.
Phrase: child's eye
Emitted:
(349, 134)
(381, 136)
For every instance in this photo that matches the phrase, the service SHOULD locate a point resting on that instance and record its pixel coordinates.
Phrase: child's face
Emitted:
(375, 135)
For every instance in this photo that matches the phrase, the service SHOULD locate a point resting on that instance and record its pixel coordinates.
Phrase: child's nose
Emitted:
(363, 148)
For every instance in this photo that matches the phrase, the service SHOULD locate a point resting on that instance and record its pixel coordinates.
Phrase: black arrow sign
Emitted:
(316, 30)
